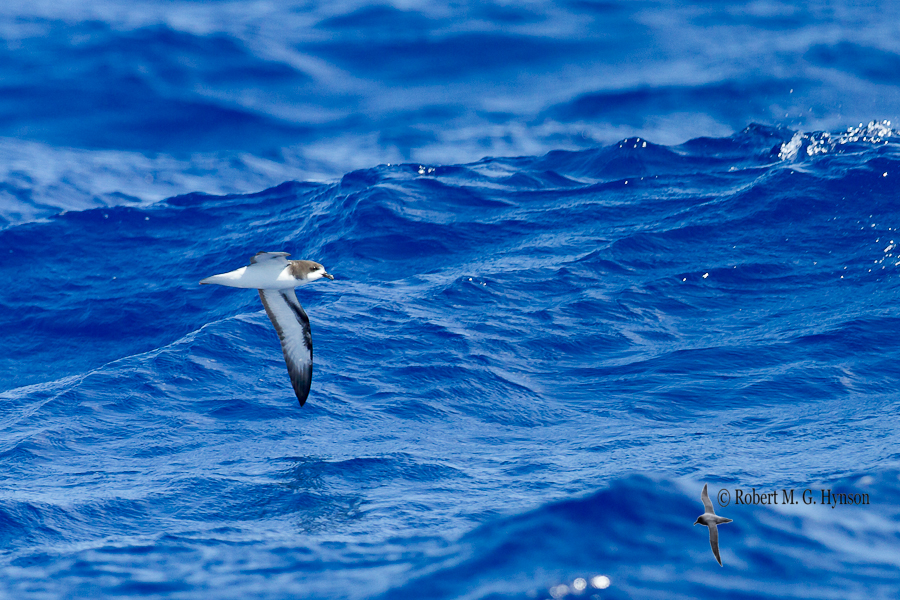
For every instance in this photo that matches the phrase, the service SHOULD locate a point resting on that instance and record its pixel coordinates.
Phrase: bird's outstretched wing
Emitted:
(266, 256)
(707, 505)
(714, 541)
(292, 325)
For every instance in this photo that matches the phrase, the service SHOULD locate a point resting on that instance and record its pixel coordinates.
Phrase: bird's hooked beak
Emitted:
(328, 275)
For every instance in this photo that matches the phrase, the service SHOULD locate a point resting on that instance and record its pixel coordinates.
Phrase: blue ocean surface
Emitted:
(588, 257)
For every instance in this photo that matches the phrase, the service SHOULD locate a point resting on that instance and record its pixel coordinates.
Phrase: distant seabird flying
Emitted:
(712, 521)
(276, 277)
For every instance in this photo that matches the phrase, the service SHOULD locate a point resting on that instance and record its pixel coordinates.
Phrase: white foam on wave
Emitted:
(823, 142)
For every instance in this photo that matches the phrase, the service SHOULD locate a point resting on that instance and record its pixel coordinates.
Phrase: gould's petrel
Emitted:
(712, 521)
(276, 277)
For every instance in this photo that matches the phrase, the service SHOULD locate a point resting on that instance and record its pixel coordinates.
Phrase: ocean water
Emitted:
(588, 257)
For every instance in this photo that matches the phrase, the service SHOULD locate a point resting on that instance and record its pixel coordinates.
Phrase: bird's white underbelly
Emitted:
(257, 277)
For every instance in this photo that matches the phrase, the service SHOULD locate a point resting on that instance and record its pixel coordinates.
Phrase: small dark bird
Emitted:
(712, 521)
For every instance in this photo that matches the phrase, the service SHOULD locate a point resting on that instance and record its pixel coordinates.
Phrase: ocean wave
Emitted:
(158, 99)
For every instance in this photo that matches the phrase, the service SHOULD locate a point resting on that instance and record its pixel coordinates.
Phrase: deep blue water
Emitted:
(588, 257)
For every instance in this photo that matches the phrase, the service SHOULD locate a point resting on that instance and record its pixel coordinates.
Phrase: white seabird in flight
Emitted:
(711, 520)
(276, 277)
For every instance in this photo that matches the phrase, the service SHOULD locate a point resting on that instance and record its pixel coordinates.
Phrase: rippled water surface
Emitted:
(587, 257)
